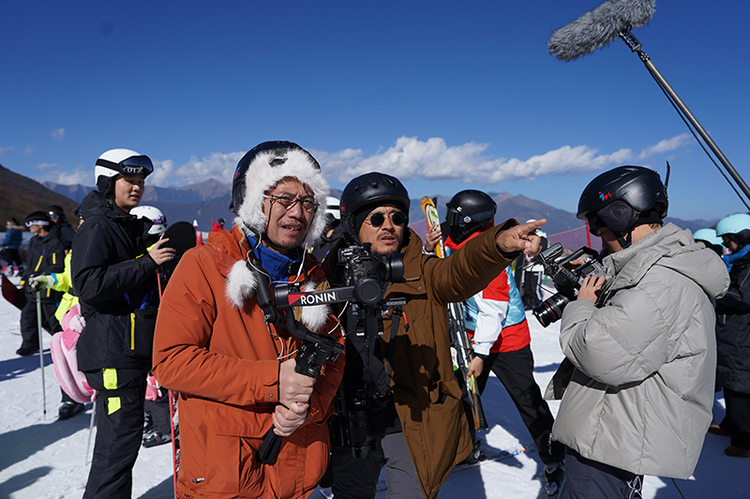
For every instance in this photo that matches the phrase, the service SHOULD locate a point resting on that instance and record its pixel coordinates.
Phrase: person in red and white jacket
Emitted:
(496, 320)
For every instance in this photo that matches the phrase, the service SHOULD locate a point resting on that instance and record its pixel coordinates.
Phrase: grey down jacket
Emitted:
(640, 397)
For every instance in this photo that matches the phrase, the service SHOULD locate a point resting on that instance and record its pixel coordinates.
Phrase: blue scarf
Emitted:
(277, 265)
(730, 258)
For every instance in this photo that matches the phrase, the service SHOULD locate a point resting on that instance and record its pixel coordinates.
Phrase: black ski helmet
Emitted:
(367, 191)
(622, 198)
(469, 211)
(56, 212)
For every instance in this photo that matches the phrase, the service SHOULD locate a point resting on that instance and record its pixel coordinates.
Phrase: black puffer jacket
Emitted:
(116, 282)
(733, 330)
(65, 232)
(45, 255)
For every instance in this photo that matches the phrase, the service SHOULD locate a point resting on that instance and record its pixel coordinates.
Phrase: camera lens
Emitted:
(550, 310)
(394, 266)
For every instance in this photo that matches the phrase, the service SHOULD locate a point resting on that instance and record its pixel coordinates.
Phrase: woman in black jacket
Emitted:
(115, 279)
(45, 255)
(733, 335)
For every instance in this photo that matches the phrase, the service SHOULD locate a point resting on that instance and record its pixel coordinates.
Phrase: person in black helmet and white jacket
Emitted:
(115, 278)
(641, 340)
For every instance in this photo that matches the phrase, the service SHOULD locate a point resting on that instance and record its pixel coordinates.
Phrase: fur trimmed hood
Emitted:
(265, 166)
(241, 282)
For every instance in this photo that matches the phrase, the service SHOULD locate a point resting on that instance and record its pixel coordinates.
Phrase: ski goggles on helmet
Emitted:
(134, 165)
(456, 218)
(36, 222)
(378, 219)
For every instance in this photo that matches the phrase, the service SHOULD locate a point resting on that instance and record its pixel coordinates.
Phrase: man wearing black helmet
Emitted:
(60, 227)
(496, 319)
(641, 340)
(235, 372)
(114, 277)
(401, 402)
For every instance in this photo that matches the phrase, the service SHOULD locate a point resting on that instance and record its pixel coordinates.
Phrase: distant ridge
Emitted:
(21, 195)
(208, 201)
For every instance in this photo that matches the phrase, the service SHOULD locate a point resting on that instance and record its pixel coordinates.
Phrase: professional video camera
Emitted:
(567, 282)
(362, 278)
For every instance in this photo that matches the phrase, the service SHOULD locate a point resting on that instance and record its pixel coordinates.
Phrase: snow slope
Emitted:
(43, 458)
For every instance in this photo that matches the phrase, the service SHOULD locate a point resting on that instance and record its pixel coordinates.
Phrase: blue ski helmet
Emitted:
(733, 224)
(734, 228)
(708, 235)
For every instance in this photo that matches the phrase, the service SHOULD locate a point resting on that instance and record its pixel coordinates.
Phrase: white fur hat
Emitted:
(261, 169)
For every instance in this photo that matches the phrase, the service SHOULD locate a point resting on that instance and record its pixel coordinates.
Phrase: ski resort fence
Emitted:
(575, 238)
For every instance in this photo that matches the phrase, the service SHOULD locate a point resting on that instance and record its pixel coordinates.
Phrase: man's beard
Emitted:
(278, 246)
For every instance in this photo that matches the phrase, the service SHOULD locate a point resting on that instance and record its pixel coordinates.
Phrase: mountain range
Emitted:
(209, 201)
(20, 196)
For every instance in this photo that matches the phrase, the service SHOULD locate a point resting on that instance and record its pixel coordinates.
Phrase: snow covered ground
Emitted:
(42, 458)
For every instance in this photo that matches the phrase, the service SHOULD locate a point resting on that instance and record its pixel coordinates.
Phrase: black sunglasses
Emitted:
(378, 219)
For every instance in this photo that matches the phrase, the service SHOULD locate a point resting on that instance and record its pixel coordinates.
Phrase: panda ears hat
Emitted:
(261, 169)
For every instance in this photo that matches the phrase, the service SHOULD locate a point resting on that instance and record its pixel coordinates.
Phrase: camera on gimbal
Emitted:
(369, 274)
(567, 282)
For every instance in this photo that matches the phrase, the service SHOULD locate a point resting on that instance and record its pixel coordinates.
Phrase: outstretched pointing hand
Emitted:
(521, 238)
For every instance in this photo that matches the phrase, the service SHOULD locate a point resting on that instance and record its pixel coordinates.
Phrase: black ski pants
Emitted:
(357, 477)
(29, 325)
(515, 370)
(587, 479)
(159, 411)
(119, 431)
(11, 256)
(737, 419)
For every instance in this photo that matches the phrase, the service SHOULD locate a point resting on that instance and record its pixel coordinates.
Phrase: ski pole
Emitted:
(41, 350)
(91, 430)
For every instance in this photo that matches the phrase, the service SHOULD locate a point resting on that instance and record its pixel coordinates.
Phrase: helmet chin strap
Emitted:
(626, 240)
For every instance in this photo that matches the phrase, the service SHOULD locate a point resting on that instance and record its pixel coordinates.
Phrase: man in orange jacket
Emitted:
(236, 373)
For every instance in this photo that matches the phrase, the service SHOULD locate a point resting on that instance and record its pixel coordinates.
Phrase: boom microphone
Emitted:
(597, 27)
(615, 19)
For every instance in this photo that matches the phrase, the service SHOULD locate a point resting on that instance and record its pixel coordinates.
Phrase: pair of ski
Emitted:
(461, 348)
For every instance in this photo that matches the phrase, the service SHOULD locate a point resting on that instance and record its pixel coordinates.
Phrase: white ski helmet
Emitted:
(333, 206)
(119, 162)
(155, 215)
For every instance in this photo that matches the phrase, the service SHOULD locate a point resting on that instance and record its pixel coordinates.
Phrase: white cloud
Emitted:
(28, 151)
(45, 166)
(666, 145)
(411, 158)
(3, 150)
(58, 134)
(80, 175)
(219, 166)
(163, 173)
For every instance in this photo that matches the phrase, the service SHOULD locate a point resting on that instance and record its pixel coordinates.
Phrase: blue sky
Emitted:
(444, 95)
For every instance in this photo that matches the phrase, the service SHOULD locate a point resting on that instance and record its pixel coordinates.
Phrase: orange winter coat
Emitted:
(224, 362)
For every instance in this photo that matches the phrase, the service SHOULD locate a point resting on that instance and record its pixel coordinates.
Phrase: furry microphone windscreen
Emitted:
(597, 27)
